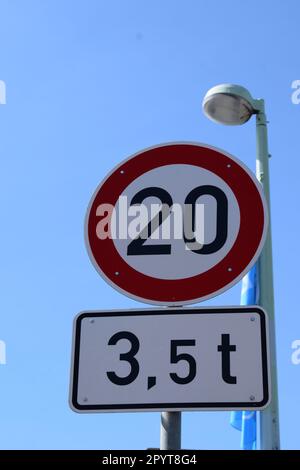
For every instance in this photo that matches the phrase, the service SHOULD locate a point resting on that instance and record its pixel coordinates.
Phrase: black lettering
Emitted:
(226, 348)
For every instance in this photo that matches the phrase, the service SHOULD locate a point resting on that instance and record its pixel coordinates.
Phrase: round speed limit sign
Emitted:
(176, 223)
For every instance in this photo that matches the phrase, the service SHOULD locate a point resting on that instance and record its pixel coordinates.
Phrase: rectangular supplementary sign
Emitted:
(170, 359)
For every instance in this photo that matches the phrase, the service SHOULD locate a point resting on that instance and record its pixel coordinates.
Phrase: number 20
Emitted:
(137, 246)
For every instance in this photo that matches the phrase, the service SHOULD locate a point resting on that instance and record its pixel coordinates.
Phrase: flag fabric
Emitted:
(245, 421)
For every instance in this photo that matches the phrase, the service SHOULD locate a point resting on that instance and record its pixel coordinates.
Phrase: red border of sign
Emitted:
(243, 254)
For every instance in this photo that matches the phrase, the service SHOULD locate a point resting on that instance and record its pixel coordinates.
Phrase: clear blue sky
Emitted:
(89, 83)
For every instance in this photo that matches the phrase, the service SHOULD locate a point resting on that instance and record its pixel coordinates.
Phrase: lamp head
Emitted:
(228, 104)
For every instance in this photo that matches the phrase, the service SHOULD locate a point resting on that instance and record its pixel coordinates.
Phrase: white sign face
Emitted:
(182, 262)
(170, 359)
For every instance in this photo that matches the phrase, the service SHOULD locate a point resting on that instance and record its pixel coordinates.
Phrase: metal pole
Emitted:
(170, 430)
(269, 418)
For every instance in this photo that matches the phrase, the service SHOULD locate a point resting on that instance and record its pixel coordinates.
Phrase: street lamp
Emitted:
(228, 104)
(233, 105)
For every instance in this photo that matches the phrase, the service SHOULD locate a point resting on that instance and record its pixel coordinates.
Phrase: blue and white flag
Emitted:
(245, 421)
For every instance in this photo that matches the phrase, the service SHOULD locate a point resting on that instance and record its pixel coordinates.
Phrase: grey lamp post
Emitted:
(232, 105)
